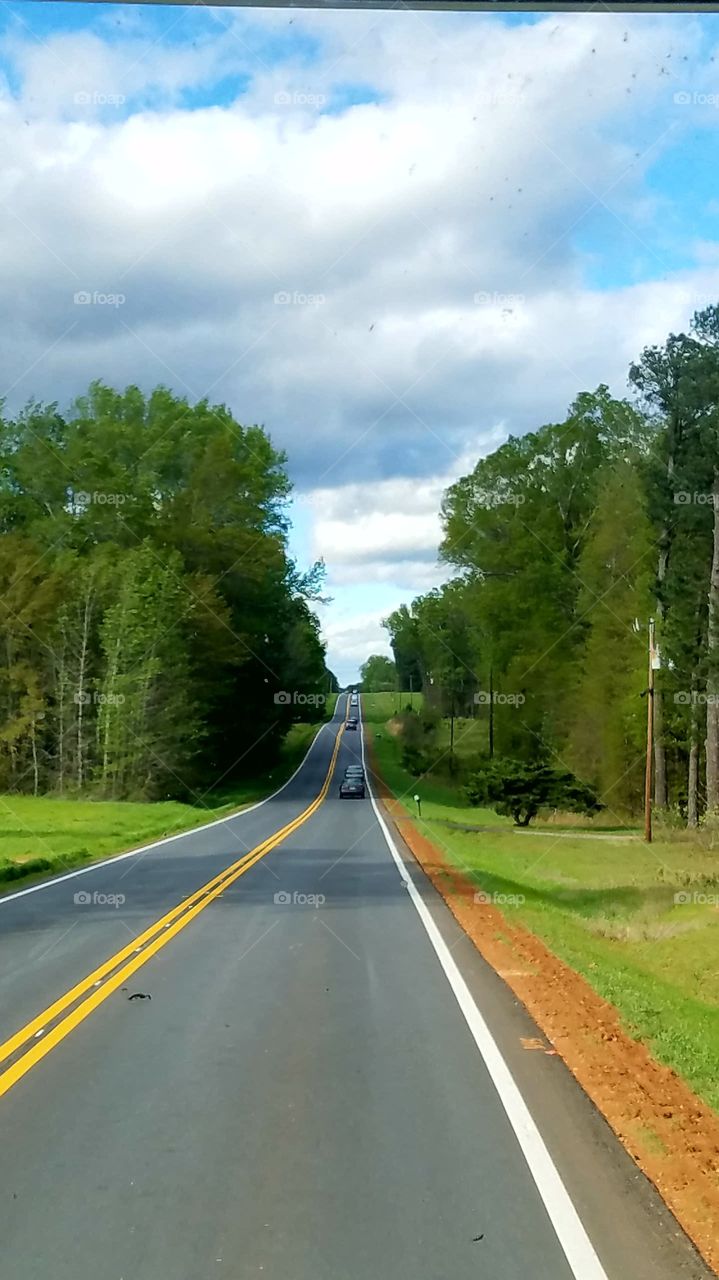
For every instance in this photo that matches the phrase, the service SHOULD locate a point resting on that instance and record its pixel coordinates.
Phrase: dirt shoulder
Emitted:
(670, 1133)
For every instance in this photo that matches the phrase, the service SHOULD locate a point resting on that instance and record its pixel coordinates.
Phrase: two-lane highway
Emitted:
(326, 1083)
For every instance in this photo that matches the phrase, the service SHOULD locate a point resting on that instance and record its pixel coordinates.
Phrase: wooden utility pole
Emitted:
(653, 662)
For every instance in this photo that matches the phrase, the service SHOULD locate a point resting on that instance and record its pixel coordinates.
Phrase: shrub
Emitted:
(520, 790)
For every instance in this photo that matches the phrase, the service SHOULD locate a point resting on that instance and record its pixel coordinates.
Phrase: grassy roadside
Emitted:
(45, 835)
(604, 903)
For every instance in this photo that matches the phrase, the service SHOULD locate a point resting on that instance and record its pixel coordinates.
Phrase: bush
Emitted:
(419, 740)
(520, 790)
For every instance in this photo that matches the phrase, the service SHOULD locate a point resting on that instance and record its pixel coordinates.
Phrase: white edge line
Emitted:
(181, 835)
(571, 1234)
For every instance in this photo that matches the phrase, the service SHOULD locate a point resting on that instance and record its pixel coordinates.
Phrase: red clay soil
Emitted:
(671, 1134)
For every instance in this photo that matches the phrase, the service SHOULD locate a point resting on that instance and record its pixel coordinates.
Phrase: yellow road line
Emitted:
(156, 937)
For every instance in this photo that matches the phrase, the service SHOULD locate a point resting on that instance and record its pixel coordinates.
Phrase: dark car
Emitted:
(351, 723)
(352, 788)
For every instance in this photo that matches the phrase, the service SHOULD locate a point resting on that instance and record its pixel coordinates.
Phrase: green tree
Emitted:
(378, 674)
(201, 500)
(616, 571)
(519, 791)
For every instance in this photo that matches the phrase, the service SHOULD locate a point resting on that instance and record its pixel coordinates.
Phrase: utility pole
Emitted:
(653, 664)
(491, 713)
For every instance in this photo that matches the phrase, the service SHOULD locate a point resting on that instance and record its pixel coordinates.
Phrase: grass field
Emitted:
(45, 835)
(603, 902)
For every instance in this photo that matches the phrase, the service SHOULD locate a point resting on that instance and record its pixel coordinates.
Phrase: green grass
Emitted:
(605, 906)
(438, 799)
(45, 835)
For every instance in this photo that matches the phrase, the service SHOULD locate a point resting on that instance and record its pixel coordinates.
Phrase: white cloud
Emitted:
(351, 640)
(491, 144)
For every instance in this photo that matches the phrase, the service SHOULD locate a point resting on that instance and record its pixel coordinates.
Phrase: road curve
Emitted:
(327, 1082)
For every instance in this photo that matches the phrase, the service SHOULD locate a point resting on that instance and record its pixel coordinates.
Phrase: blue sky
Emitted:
(393, 168)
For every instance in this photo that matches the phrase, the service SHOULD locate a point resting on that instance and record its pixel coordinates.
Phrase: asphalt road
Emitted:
(327, 1082)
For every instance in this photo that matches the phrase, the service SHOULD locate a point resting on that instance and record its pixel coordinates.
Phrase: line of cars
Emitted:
(352, 785)
(352, 711)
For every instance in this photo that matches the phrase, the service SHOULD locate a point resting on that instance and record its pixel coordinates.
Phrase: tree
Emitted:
(404, 639)
(378, 674)
(152, 536)
(516, 528)
(147, 723)
(664, 377)
(607, 729)
(520, 790)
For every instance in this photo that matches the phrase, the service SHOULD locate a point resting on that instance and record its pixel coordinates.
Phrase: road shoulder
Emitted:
(669, 1138)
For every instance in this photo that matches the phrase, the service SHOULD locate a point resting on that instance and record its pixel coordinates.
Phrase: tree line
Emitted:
(155, 635)
(565, 542)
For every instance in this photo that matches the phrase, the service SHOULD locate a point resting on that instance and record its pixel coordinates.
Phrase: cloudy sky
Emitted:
(392, 238)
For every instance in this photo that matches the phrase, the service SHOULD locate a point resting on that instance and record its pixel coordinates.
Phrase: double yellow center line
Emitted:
(39, 1036)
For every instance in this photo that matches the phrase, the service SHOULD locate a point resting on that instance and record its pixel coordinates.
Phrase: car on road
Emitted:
(351, 723)
(352, 788)
(354, 771)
